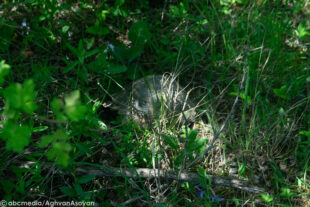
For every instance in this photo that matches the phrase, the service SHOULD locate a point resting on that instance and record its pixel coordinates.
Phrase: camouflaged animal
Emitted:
(155, 97)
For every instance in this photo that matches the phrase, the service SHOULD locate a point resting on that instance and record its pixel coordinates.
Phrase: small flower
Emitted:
(216, 198)
(197, 187)
(25, 28)
(109, 47)
(24, 23)
(201, 192)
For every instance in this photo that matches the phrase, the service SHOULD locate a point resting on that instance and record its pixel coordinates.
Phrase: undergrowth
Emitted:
(61, 140)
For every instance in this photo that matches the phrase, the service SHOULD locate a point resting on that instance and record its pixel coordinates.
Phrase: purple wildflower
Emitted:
(200, 191)
(216, 198)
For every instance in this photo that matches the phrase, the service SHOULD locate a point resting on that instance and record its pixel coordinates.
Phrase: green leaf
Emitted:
(40, 129)
(178, 11)
(103, 14)
(99, 65)
(134, 52)
(60, 151)
(266, 198)
(83, 74)
(6, 34)
(96, 106)
(139, 33)
(4, 70)
(17, 136)
(73, 107)
(78, 189)
(302, 29)
(20, 97)
(13, 96)
(202, 172)
(192, 134)
(98, 29)
(119, 3)
(70, 66)
(241, 169)
(281, 92)
(246, 98)
(120, 53)
(236, 201)
(59, 135)
(170, 141)
(179, 159)
(57, 106)
(7, 186)
(242, 96)
(80, 48)
(133, 71)
(29, 97)
(72, 99)
(191, 145)
(46, 140)
(92, 52)
(85, 179)
(116, 68)
(83, 149)
(286, 192)
(65, 28)
(306, 133)
(60, 148)
(102, 125)
(74, 50)
(200, 144)
(69, 191)
(21, 186)
(89, 42)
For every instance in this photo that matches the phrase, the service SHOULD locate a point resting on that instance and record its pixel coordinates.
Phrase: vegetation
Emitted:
(61, 61)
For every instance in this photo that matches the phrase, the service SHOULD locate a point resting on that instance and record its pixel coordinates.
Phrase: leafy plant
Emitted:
(4, 70)
(78, 65)
(60, 147)
(55, 120)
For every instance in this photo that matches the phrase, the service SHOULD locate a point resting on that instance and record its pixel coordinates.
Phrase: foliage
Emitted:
(60, 61)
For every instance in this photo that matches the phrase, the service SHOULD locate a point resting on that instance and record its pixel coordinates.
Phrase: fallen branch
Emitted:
(146, 173)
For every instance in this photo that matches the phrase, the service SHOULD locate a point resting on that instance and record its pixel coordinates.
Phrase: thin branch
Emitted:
(146, 173)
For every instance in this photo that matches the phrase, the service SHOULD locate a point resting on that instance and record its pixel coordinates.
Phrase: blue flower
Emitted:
(24, 23)
(201, 192)
(109, 47)
(216, 198)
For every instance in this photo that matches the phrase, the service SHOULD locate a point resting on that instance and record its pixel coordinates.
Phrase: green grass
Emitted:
(61, 60)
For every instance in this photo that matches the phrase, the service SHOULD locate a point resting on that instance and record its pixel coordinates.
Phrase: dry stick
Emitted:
(217, 134)
(147, 173)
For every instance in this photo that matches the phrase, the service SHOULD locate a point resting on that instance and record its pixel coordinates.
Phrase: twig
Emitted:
(147, 173)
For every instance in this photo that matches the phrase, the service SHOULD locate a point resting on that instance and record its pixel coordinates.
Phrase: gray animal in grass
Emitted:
(156, 98)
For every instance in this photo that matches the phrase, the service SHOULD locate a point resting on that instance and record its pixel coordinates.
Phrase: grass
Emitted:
(59, 61)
